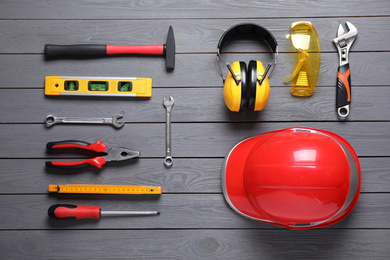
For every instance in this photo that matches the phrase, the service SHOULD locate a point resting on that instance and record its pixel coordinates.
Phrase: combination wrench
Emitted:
(168, 104)
(51, 120)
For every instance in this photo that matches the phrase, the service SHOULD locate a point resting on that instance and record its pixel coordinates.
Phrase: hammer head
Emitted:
(170, 50)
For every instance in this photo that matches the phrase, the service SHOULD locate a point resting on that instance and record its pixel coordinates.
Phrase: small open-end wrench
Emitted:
(343, 42)
(168, 104)
(52, 120)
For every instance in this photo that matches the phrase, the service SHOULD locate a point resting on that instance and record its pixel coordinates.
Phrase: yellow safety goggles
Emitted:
(305, 72)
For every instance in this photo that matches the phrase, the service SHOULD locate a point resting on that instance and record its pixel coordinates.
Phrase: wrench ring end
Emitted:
(168, 161)
(49, 120)
(343, 111)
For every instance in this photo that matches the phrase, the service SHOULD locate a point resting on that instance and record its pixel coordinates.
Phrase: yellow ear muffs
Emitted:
(235, 96)
(258, 94)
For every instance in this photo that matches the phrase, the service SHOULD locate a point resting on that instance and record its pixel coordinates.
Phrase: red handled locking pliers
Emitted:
(112, 154)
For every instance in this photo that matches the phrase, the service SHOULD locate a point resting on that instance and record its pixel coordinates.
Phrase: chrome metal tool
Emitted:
(52, 120)
(168, 104)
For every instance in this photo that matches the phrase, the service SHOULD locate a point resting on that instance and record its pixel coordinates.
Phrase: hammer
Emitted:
(53, 51)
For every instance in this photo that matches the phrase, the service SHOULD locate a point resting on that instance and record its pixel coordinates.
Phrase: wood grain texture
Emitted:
(191, 70)
(195, 221)
(368, 139)
(122, 9)
(201, 175)
(203, 104)
(191, 36)
(195, 244)
(178, 211)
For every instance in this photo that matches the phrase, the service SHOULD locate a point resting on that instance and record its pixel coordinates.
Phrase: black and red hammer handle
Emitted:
(98, 50)
(167, 50)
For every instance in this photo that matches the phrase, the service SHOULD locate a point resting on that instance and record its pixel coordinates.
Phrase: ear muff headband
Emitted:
(246, 29)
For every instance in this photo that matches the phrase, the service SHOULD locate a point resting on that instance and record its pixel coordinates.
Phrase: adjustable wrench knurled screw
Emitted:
(168, 104)
(51, 120)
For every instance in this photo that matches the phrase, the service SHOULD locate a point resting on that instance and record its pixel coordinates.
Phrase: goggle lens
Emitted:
(305, 72)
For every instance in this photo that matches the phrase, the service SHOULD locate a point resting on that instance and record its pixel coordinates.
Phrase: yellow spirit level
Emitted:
(104, 189)
(98, 86)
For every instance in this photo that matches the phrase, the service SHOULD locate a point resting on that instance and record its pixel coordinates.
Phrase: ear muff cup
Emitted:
(235, 96)
(252, 84)
(258, 94)
(244, 86)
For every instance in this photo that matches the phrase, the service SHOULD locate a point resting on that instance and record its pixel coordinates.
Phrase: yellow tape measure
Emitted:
(98, 86)
(104, 189)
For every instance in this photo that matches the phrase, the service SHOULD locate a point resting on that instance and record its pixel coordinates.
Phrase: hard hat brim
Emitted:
(233, 185)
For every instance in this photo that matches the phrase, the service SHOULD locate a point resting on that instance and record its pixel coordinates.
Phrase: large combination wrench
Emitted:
(52, 120)
(168, 104)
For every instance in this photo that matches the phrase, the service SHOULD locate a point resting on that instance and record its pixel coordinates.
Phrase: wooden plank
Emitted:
(188, 140)
(187, 72)
(191, 70)
(178, 211)
(121, 9)
(186, 176)
(191, 36)
(203, 104)
(195, 244)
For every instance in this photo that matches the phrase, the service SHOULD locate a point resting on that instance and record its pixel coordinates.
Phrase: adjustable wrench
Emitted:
(168, 104)
(52, 120)
(343, 42)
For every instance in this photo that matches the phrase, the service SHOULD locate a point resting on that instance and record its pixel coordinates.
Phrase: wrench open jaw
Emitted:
(343, 43)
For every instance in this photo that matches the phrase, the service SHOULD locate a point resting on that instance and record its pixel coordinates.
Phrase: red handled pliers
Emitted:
(112, 154)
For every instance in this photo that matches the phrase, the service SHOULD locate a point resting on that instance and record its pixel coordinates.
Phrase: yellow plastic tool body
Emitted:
(104, 189)
(98, 86)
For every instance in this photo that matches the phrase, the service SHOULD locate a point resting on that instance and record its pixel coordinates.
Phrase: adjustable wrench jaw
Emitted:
(344, 41)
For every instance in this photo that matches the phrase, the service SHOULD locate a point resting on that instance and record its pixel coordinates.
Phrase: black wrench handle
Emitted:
(343, 99)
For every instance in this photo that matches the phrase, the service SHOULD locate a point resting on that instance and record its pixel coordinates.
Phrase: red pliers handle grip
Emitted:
(98, 147)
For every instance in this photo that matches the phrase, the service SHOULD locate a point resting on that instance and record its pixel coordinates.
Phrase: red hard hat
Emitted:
(296, 177)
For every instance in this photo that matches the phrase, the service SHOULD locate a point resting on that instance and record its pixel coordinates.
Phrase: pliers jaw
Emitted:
(119, 154)
(344, 41)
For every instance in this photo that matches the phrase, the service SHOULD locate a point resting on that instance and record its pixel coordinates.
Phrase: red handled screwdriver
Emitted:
(70, 212)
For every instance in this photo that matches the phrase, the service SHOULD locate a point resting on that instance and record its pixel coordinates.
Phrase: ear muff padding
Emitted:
(244, 86)
(252, 84)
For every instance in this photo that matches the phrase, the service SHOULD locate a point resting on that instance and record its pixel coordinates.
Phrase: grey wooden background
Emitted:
(195, 221)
